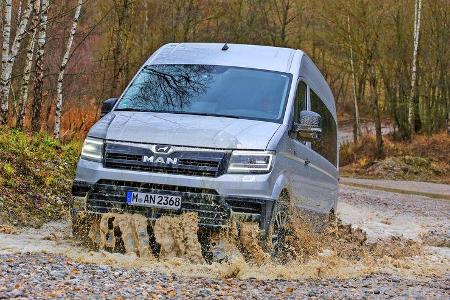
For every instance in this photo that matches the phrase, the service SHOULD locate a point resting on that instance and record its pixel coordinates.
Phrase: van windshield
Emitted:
(208, 90)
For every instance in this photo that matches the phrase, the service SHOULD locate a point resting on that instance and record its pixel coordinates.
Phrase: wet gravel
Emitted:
(380, 214)
(43, 276)
(395, 202)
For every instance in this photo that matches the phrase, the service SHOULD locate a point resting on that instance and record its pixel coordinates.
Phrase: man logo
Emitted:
(160, 160)
(163, 149)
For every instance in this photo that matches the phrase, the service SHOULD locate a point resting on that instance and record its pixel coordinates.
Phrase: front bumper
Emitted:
(259, 186)
(214, 210)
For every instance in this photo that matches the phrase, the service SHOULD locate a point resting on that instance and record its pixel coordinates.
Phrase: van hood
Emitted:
(185, 130)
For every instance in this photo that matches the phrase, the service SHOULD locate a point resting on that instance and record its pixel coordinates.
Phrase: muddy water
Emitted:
(177, 237)
(131, 229)
(339, 252)
(249, 239)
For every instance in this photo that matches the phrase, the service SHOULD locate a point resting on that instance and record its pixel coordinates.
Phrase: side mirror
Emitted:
(107, 106)
(310, 127)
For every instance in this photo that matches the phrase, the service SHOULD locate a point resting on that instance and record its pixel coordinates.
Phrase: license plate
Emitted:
(153, 200)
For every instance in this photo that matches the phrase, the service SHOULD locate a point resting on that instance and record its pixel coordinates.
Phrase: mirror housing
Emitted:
(107, 106)
(310, 127)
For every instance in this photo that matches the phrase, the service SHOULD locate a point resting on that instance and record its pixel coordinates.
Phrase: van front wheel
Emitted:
(278, 227)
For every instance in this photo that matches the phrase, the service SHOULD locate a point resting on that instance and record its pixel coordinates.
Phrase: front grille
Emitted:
(128, 157)
(110, 196)
(157, 186)
(190, 162)
(244, 206)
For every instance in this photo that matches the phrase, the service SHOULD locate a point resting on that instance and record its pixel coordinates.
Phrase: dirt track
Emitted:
(66, 271)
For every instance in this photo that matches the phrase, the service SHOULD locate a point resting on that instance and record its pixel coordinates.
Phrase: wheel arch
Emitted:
(281, 184)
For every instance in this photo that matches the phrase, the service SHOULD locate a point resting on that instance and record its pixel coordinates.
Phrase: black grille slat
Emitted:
(244, 206)
(119, 156)
(187, 168)
(199, 163)
(161, 170)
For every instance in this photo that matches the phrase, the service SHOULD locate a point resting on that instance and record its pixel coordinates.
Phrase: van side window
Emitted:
(300, 100)
(327, 145)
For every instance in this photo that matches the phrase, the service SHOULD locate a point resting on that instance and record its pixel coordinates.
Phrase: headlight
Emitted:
(250, 162)
(92, 149)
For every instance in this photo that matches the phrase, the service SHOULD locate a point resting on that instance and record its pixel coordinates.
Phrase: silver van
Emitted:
(228, 131)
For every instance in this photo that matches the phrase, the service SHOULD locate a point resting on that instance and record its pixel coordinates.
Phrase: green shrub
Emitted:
(36, 173)
(8, 170)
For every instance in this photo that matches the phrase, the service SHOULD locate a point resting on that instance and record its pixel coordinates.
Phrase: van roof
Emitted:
(247, 56)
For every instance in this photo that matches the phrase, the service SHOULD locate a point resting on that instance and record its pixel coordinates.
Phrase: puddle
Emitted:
(341, 251)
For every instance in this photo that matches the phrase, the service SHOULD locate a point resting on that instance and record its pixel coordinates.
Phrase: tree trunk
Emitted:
(118, 47)
(39, 77)
(19, 13)
(411, 100)
(361, 88)
(11, 57)
(376, 112)
(62, 68)
(356, 125)
(284, 23)
(5, 54)
(27, 68)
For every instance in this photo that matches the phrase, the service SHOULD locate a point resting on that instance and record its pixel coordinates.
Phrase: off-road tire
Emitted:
(278, 226)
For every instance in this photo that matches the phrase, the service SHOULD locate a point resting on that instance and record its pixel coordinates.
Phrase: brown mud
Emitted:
(249, 237)
(8, 229)
(131, 229)
(339, 251)
(129, 233)
(177, 236)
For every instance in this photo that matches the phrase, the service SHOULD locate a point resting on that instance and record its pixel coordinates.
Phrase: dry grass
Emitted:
(76, 121)
(425, 158)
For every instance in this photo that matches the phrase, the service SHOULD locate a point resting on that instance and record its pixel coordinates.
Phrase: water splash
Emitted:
(340, 251)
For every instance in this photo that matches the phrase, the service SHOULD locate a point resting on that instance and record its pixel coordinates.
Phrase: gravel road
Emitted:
(383, 214)
(42, 264)
(50, 276)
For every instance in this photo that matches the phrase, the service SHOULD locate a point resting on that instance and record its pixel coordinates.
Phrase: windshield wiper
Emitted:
(202, 114)
(131, 109)
(179, 112)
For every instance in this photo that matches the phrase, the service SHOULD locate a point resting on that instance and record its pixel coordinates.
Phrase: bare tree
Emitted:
(373, 84)
(5, 53)
(9, 53)
(121, 31)
(356, 125)
(23, 99)
(62, 68)
(282, 19)
(411, 104)
(39, 77)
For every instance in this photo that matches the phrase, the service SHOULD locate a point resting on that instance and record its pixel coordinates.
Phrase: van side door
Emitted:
(323, 158)
(301, 186)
